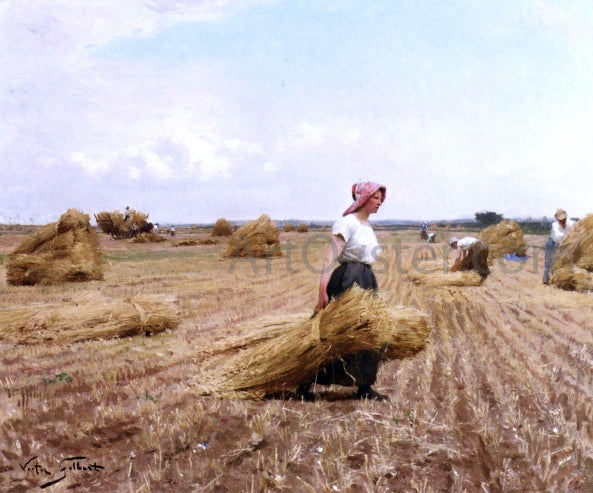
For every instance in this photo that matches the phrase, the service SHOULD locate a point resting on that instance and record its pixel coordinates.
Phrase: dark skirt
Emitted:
(359, 368)
(477, 258)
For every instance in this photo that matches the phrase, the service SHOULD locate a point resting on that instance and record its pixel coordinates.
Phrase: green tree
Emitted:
(488, 217)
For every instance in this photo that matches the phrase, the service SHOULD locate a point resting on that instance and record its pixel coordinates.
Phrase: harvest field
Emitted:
(501, 399)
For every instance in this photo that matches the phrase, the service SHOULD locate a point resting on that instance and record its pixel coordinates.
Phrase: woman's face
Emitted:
(372, 205)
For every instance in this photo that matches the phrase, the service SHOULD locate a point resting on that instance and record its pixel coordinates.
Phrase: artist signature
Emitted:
(66, 466)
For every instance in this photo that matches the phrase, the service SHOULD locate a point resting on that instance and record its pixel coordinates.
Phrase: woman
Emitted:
(354, 245)
(472, 253)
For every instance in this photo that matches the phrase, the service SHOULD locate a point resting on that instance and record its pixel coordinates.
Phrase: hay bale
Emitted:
(302, 228)
(288, 228)
(222, 228)
(66, 251)
(259, 238)
(502, 238)
(88, 319)
(280, 355)
(573, 261)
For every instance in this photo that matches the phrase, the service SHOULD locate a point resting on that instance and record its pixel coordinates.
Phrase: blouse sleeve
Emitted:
(344, 227)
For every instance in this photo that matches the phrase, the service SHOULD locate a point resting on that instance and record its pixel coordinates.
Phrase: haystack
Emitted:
(222, 228)
(58, 252)
(88, 319)
(573, 262)
(288, 227)
(257, 238)
(302, 228)
(114, 223)
(502, 238)
(277, 356)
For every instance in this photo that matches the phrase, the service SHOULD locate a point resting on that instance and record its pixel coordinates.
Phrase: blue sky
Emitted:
(193, 111)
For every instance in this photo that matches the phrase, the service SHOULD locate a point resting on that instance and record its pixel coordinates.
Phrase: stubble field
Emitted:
(501, 399)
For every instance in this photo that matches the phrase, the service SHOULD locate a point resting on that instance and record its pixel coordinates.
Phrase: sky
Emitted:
(196, 110)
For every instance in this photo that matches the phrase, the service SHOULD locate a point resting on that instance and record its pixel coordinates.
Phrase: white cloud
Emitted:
(92, 166)
(329, 132)
(134, 172)
(159, 167)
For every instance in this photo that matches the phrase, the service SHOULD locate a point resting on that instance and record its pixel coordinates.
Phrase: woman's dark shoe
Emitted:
(367, 392)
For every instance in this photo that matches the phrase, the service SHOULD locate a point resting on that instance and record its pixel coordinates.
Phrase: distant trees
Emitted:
(488, 217)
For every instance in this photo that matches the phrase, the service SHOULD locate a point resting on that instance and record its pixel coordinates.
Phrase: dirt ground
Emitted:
(501, 399)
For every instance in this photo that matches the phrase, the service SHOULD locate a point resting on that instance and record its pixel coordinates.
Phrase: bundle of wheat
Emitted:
(88, 319)
(284, 353)
(302, 228)
(257, 238)
(288, 227)
(147, 238)
(186, 242)
(573, 261)
(437, 277)
(58, 252)
(222, 228)
(572, 278)
(502, 238)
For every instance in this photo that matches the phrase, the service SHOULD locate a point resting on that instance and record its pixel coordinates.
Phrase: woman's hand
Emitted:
(323, 300)
(333, 251)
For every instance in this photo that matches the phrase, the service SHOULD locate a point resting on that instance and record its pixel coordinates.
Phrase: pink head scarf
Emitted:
(361, 192)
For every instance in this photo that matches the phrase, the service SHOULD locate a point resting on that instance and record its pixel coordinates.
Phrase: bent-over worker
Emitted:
(472, 253)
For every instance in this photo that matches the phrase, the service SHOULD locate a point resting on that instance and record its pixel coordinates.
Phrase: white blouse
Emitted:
(558, 232)
(361, 242)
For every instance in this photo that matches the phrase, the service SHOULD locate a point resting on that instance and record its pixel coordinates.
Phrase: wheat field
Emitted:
(501, 399)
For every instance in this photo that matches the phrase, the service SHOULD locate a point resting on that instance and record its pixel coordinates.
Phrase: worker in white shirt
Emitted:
(472, 253)
(560, 227)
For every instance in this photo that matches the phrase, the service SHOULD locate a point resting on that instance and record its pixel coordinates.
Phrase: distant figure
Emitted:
(431, 237)
(127, 213)
(134, 230)
(172, 231)
(472, 253)
(424, 231)
(560, 227)
(155, 229)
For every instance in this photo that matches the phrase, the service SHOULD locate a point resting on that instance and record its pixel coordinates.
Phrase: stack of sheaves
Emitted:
(274, 357)
(65, 251)
(115, 224)
(502, 238)
(258, 238)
